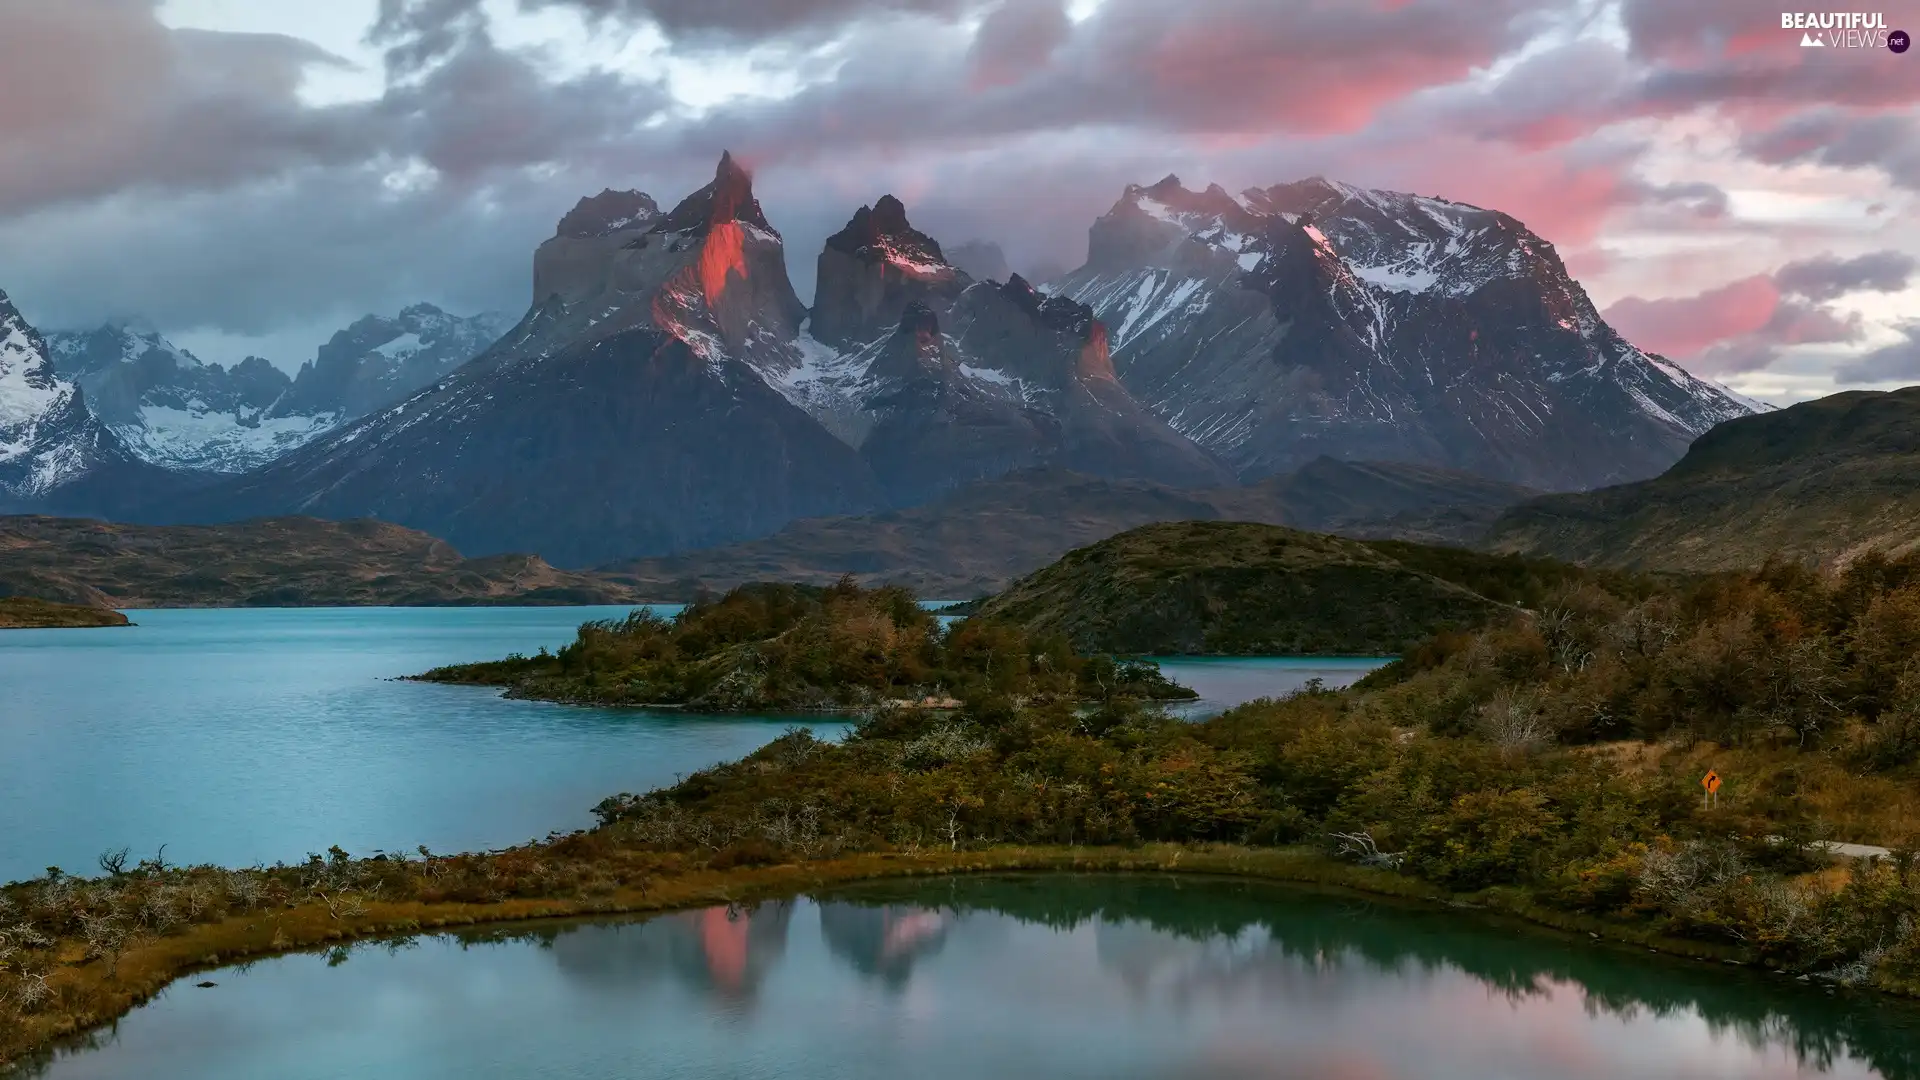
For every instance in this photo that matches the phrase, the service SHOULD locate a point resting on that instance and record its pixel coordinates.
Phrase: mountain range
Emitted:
(667, 390)
(174, 410)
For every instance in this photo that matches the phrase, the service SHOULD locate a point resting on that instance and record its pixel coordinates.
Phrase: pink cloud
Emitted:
(1684, 326)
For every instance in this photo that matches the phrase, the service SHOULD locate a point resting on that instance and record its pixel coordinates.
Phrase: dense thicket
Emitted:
(1558, 752)
(797, 647)
(1824, 660)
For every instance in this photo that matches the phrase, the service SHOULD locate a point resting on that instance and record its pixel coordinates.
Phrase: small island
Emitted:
(30, 613)
(802, 648)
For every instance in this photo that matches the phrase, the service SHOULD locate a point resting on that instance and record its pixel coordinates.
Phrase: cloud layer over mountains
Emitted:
(154, 164)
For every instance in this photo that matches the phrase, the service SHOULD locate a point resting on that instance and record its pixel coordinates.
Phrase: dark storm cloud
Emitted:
(1827, 278)
(246, 207)
(1017, 37)
(97, 97)
(1887, 141)
(335, 245)
(1897, 362)
(1733, 52)
(417, 32)
(177, 174)
(484, 109)
(752, 20)
(1230, 68)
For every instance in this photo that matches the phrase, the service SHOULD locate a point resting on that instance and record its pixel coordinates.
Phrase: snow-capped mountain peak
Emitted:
(48, 439)
(1319, 317)
(29, 389)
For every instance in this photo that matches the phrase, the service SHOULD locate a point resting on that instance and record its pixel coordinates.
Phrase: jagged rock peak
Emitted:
(882, 231)
(1053, 312)
(920, 321)
(1170, 202)
(607, 213)
(728, 199)
(1168, 185)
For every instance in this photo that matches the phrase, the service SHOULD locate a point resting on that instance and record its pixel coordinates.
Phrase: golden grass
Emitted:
(1861, 807)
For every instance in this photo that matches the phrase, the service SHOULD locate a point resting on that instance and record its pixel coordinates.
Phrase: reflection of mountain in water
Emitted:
(884, 941)
(1179, 940)
(720, 952)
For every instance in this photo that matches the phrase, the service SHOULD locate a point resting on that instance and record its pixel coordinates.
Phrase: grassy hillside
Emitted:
(977, 540)
(31, 613)
(1240, 588)
(787, 648)
(1820, 483)
(275, 562)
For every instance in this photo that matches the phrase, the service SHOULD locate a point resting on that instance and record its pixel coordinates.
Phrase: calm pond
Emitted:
(1112, 977)
(259, 735)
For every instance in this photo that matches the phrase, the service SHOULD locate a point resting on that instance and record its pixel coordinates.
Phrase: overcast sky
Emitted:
(250, 175)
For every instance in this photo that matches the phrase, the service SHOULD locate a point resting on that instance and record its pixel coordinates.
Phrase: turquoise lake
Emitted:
(1078, 978)
(258, 735)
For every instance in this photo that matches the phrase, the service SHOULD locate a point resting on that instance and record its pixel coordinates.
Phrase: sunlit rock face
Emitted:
(871, 270)
(624, 414)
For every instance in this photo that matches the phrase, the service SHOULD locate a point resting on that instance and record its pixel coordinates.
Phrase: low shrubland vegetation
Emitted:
(799, 648)
(1546, 764)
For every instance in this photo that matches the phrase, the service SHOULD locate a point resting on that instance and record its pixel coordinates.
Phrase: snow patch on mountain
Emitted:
(216, 441)
(405, 345)
(47, 437)
(27, 391)
(1405, 278)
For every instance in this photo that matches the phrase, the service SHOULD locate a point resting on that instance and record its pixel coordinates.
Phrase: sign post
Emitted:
(1711, 782)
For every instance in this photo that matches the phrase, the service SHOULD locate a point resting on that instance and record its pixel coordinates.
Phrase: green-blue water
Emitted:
(1114, 978)
(258, 735)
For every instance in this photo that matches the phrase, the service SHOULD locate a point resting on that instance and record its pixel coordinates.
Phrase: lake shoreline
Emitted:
(144, 972)
(30, 613)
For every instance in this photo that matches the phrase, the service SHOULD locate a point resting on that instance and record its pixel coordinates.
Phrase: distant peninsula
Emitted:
(32, 613)
(272, 562)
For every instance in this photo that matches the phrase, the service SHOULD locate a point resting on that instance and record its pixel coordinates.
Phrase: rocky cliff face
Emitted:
(54, 453)
(872, 270)
(941, 380)
(1317, 318)
(623, 414)
(380, 359)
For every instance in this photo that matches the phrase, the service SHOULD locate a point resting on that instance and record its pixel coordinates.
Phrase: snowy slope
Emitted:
(49, 441)
(173, 410)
